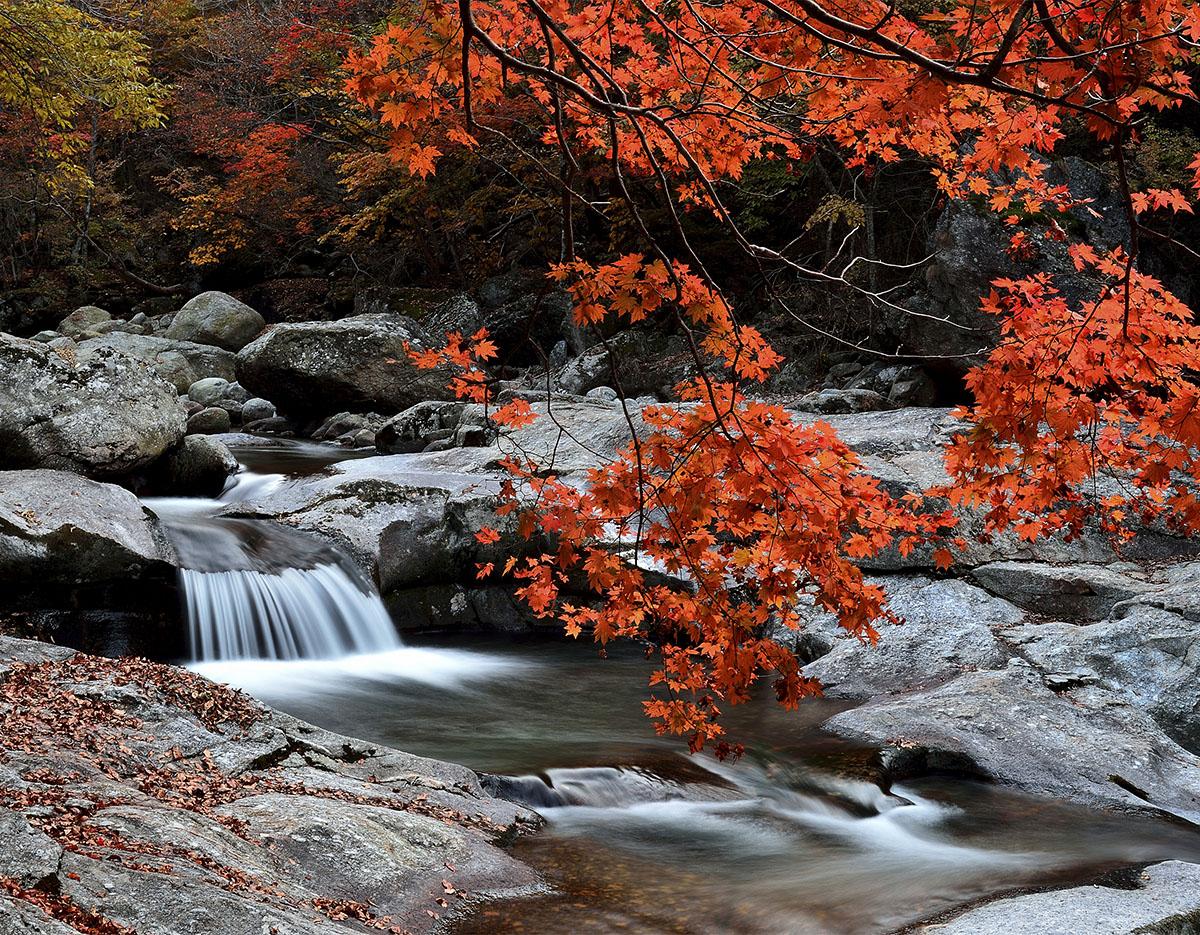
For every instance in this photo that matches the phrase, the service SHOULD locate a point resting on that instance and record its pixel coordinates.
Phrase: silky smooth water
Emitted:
(253, 589)
(800, 836)
(797, 837)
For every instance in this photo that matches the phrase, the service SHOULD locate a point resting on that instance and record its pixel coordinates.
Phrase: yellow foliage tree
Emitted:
(63, 68)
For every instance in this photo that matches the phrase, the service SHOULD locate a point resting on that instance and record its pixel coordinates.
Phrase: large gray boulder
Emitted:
(404, 522)
(1089, 745)
(96, 412)
(218, 319)
(180, 363)
(947, 630)
(315, 369)
(60, 528)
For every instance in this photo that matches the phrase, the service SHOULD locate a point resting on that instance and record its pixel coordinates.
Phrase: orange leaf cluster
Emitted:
(1085, 411)
(701, 535)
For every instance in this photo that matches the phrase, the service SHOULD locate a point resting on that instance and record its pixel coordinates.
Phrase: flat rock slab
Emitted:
(151, 798)
(1091, 746)
(1167, 890)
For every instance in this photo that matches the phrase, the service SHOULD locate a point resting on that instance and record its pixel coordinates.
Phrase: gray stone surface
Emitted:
(218, 319)
(1089, 745)
(947, 630)
(1148, 655)
(212, 420)
(413, 429)
(314, 369)
(831, 401)
(1068, 592)
(180, 363)
(60, 528)
(1165, 890)
(31, 857)
(257, 408)
(96, 411)
(215, 391)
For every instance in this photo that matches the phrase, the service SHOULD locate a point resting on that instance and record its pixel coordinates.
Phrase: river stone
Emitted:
(218, 319)
(83, 321)
(29, 856)
(181, 363)
(257, 408)
(404, 524)
(314, 369)
(200, 466)
(1089, 745)
(97, 412)
(222, 394)
(1067, 592)
(1165, 891)
(59, 528)
(946, 630)
(211, 421)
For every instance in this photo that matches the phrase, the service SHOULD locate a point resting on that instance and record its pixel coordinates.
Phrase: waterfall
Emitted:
(293, 613)
(256, 590)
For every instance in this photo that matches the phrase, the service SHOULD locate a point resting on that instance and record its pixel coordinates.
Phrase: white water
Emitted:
(254, 590)
(294, 613)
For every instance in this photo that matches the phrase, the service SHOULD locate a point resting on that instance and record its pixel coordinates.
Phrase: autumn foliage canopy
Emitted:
(1087, 412)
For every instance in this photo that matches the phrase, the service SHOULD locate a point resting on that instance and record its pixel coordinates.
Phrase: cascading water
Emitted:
(295, 613)
(253, 589)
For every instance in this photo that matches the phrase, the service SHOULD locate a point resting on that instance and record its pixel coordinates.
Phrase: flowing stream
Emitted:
(797, 837)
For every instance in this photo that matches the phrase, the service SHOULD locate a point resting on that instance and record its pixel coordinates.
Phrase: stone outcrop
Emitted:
(192, 809)
(97, 412)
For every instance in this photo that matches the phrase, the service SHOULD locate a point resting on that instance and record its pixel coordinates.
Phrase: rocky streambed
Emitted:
(1058, 670)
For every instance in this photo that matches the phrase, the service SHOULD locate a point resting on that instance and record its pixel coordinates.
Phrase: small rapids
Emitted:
(295, 613)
